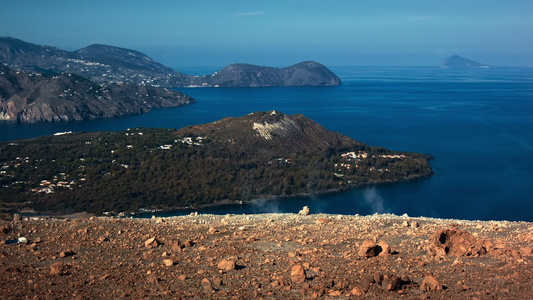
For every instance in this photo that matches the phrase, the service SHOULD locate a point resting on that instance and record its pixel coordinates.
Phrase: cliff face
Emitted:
(458, 62)
(28, 97)
(103, 63)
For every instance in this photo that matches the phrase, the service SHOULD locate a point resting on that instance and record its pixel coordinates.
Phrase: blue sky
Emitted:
(278, 33)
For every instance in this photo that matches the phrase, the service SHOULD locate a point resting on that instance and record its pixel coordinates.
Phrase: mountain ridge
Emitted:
(105, 63)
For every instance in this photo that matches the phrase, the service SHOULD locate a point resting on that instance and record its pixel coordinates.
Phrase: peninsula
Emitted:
(260, 155)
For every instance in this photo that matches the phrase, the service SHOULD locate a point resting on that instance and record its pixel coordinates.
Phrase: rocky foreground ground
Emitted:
(268, 256)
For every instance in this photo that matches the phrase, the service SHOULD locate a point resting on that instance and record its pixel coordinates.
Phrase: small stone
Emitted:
(304, 211)
(206, 284)
(430, 283)
(323, 221)
(227, 265)
(176, 246)
(366, 282)
(17, 218)
(182, 277)
(59, 269)
(298, 274)
(66, 253)
(414, 224)
(357, 291)
(151, 243)
(152, 278)
(5, 229)
(212, 230)
(189, 243)
(391, 283)
(217, 281)
(168, 262)
(526, 251)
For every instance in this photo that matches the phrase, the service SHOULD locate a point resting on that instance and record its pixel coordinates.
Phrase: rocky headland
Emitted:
(31, 97)
(267, 256)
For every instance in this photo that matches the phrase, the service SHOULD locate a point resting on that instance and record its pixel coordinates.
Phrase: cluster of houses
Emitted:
(281, 161)
(357, 156)
(362, 155)
(197, 141)
(5, 169)
(190, 141)
(58, 181)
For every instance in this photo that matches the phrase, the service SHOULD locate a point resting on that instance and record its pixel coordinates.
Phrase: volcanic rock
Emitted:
(151, 243)
(304, 211)
(455, 242)
(430, 283)
(227, 265)
(59, 269)
(298, 274)
(369, 249)
(66, 253)
(391, 283)
(168, 262)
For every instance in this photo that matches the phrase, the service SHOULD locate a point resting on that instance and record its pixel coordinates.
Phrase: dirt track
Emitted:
(266, 256)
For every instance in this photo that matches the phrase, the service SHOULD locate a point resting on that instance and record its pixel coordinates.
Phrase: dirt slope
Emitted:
(267, 256)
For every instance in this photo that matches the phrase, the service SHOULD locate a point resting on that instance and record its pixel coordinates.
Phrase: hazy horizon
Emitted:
(280, 33)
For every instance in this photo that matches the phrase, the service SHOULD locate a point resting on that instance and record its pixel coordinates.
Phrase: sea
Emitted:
(476, 123)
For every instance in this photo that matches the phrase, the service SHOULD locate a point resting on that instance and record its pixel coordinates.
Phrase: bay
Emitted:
(478, 124)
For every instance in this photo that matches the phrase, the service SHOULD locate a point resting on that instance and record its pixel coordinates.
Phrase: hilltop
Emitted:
(31, 97)
(105, 63)
(260, 155)
(268, 256)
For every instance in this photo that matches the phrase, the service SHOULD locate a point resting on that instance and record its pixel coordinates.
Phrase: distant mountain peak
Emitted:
(457, 62)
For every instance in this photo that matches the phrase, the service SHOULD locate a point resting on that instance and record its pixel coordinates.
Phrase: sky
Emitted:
(186, 33)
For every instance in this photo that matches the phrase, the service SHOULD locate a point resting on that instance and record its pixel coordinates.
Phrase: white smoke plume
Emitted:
(374, 200)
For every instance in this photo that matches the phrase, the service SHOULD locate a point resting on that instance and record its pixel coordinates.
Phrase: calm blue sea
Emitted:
(478, 124)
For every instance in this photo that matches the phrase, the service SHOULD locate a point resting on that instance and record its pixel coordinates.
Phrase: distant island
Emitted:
(233, 160)
(31, 97)
(458, 62)
(104, 63)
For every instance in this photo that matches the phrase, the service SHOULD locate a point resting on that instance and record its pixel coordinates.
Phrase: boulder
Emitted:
(298, 274)
(455, 242)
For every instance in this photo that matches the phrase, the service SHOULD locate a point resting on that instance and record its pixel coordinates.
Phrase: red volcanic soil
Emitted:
(268, 256)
